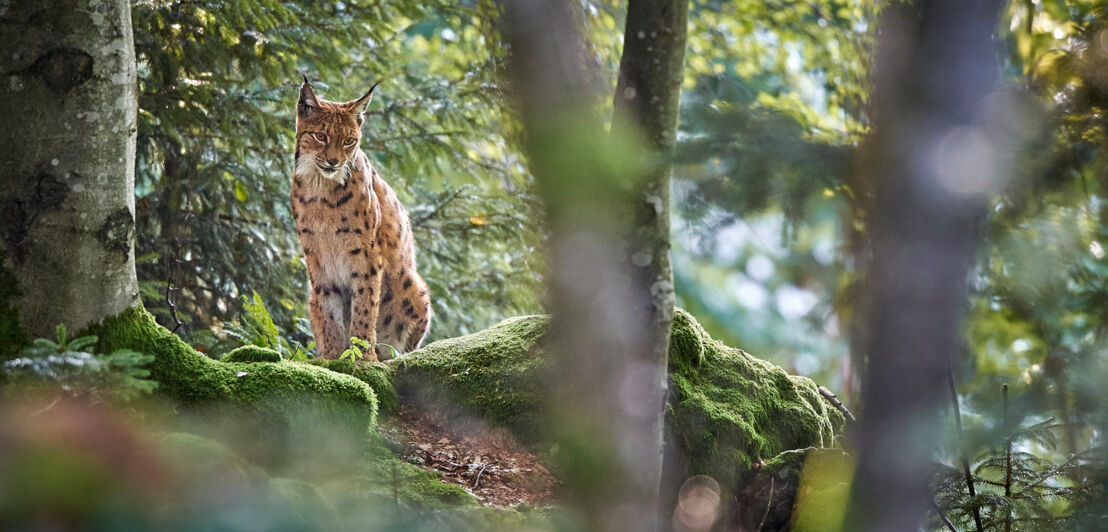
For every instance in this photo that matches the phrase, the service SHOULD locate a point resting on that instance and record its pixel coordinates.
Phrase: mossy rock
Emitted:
(728, 409)
(290, 405)
(377, 375)
(495, 374)
(251, 353)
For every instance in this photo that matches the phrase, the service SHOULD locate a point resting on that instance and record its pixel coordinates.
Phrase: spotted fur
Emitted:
(356, 236)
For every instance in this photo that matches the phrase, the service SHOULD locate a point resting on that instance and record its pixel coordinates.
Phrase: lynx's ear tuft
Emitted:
(308, 102)
(361, 104)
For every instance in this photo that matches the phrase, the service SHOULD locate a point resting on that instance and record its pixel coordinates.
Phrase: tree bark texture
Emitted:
(67, 94)
(610, 283)
(932, 161)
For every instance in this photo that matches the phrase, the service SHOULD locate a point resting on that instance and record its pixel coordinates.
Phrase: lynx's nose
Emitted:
(333, 162)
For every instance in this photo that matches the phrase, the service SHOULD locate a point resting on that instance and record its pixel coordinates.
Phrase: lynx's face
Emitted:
(327, 135)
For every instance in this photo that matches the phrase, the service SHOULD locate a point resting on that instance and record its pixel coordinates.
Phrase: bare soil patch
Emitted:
(488, 463)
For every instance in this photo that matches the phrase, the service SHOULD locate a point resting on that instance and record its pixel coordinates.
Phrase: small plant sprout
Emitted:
(354, 352)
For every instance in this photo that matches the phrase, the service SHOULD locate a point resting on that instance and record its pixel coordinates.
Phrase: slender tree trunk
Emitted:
(67, 95)
(932, 162)
(647, 104)
(610, 283)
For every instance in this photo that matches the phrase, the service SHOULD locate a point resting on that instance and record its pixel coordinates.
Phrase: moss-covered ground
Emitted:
(188, 376)
(727, 409)
(323, 414)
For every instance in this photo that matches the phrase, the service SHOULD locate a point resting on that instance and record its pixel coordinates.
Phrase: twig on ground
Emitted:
(477, 481)
(835, 402)
(769, 503)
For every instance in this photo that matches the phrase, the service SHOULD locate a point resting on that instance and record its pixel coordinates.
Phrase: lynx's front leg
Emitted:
(325, 311)
(366, 297)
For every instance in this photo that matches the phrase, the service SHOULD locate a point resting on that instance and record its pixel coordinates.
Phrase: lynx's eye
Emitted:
(350, 141)
(320, 137)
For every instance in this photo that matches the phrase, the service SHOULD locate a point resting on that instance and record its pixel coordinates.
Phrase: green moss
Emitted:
(733, 409)
(686, 342)
(252, 353)
(495, 374)
(432, 490)
(377, 375)
(288, 405)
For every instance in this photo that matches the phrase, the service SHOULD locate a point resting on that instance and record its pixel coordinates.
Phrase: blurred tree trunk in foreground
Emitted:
(932, 164)
(607, 203)
(67, 166)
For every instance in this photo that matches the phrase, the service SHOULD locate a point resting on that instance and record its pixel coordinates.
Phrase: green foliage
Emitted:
(1021, 483)
(73, 366)
(97, 472)
(257, 320)
(773, 105)
(1038, 309)
(217, 90)
(255, 327)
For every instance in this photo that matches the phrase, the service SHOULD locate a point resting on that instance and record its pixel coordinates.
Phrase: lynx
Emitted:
(356, 236)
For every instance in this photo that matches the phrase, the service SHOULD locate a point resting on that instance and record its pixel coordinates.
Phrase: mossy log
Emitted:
(290, 405)
(251, 353)
(378, 375)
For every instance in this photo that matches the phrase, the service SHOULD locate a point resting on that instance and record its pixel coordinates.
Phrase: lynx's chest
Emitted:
(335, 221)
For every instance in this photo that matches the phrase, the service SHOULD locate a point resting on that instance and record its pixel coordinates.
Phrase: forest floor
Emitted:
(488, 463)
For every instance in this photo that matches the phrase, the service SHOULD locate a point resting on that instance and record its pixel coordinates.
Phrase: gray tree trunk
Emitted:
(67, 95)
(647, 104)
(610, 283)
(932, 161)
